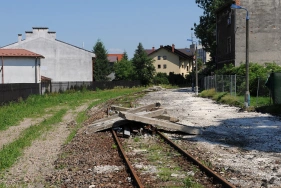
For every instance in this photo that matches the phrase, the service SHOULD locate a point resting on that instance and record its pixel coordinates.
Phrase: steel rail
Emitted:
(218, 179)
(134, 174)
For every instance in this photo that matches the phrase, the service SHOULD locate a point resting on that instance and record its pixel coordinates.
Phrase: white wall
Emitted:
(63, 62)
(20, 70)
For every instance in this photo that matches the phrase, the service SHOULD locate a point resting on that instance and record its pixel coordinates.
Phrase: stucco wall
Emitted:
(265, 31)
(63, 62)
(173, 62)
(20, 70)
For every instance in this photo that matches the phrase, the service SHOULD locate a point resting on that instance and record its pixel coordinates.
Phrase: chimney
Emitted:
(19, 38)
(153, 48)
(237, 2)
(173, 48)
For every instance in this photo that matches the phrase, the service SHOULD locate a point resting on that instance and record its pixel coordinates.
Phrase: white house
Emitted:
(63, 61)
(19, 66)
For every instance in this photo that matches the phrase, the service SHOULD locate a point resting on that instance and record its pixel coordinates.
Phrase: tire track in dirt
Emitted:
(13, 132)
(37, 160)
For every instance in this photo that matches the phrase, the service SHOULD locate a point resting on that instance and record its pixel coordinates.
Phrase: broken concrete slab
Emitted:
(168, 118)
(117, 121)
(158, 123)
(132, 110)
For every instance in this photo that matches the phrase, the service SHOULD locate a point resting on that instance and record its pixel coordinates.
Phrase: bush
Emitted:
(160, 78)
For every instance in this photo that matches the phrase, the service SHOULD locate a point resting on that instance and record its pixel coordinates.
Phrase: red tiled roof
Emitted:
(18, 53)
(119, 56)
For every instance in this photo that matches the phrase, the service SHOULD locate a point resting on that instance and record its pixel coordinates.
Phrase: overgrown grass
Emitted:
(80, 118)
(10, 153)
(256, 103)
(35, 106)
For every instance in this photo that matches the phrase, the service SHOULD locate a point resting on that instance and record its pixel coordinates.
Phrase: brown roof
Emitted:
(44, 78)
(18, 53)
(119, 56)
(180, 52)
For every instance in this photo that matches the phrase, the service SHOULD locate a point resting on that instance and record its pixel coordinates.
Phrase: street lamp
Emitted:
(196, 72)
(247, 94)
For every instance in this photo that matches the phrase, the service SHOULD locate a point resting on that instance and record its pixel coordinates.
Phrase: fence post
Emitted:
(258, 91)
(235, 85)
(215, 82)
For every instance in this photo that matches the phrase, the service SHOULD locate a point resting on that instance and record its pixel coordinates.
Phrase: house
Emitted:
(63, 62)
(169, 59)
(264, 32)
(114, 58)
(20, 66)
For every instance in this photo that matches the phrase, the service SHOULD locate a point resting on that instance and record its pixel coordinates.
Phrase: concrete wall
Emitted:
(265, 31)
(21, 70)
(63, 62)
(173, 63)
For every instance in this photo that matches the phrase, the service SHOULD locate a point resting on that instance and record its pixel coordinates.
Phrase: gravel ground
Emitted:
(247, 143)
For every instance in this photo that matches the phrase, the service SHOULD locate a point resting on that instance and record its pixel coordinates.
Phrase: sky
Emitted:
(120, 24)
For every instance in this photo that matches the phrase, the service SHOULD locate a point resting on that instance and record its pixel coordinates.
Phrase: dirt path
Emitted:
(37, 160)
(244, 142)
(13, 132)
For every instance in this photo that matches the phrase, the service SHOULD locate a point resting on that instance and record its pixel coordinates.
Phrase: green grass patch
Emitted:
(35, 106)
(207, 93)
(10, 153)
(165, 174)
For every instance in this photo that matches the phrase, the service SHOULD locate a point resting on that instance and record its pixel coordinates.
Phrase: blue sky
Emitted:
(120, 24)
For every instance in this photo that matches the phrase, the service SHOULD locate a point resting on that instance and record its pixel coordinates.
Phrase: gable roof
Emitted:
(118, 56)
(18, 53)
(169, 48)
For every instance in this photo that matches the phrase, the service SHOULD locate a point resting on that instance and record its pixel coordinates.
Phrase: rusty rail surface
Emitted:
(134, 174)
(217, 179)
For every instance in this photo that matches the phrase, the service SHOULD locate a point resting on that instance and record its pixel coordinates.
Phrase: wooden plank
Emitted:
(133, 110)
(118, 121)
(159, 124)
(119, 108)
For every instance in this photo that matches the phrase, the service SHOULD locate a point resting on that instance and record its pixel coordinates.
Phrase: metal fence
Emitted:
(19, 91)
(63, 86)
(236, 85)
(16, 92)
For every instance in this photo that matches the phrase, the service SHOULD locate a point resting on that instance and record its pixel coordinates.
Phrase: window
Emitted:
(165, 57)
(164, 66)
(159, 57)
(182, 66)
(229, 45)
(159, 66)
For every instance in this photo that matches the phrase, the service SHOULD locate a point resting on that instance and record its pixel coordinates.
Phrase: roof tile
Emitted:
(18, 53)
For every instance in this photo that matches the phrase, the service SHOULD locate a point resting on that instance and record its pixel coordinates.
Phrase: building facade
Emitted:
(264, 32)
(63, 61)
(19, 66)
(168, 59)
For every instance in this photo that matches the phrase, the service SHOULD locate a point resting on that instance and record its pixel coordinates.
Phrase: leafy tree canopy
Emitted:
(143, 66)
(101, 66)
(124, 69)
(206, 29)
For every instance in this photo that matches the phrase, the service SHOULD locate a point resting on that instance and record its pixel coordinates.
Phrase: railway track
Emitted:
(205, 177)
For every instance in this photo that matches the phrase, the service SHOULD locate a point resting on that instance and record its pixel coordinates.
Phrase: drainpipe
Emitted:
(2, 70)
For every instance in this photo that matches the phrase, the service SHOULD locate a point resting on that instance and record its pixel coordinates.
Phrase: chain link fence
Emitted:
(235, 85)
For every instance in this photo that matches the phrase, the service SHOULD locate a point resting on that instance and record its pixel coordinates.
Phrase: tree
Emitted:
(101, 67)
(143, 66)
(123, 69)
(206, 28)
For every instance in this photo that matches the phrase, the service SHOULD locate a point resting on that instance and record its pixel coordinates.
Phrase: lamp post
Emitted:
(247, 94)
(196, 71)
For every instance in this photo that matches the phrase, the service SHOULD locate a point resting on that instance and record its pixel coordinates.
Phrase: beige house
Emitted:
(168, 59)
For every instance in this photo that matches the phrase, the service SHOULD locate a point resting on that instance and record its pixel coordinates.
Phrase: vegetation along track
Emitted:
(153, 162)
